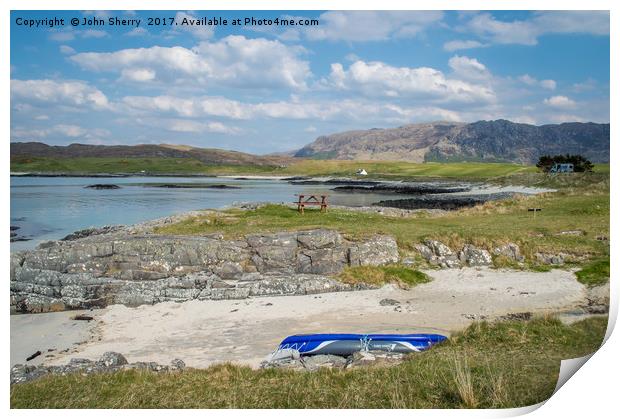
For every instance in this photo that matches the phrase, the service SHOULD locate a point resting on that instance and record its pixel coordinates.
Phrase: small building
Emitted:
(562, 168)
(361, 172)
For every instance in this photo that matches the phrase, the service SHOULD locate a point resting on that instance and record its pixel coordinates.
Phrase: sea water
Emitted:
(49, 208)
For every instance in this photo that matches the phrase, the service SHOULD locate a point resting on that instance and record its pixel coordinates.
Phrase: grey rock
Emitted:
(438, 248)
(313, 363)
(319, 239)
(120, 267)
(425, 251)
(378, 250)
(473, 256)
(550, 259)
(109, 362)
(113, 359)
(509, 250)
(321, 261)
(374, 358)
(177, 364)
(389, 302)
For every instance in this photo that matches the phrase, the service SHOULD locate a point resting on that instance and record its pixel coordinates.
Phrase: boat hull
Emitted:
(347, 344)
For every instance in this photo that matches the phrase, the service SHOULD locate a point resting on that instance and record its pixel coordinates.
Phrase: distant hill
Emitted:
(494, 141)
(204, 155)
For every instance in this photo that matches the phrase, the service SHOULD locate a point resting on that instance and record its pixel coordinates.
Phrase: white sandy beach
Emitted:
(245, 331)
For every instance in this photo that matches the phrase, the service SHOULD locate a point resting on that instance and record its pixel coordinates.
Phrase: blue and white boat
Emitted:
(345, 344)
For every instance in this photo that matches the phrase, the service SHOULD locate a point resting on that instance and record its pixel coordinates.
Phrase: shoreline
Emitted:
(203, 333)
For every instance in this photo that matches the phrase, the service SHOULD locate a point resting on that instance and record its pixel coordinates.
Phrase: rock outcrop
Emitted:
(315, 362)
(120, 268)
(510, 251)
(438, 254)
(109, 362)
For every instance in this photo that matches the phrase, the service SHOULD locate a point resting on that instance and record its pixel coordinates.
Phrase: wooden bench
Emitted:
(311, 199)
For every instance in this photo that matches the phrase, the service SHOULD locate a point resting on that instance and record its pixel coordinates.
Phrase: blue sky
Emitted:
(263, 89)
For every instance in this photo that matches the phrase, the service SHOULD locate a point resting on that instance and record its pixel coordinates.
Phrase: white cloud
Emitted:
(94, 33)
(70, 93)
(456, 45)
(184, 125)
(585, 86)
(186, 22)
(361, 26)
(63, 131)
(67, 50)
(233, 61)
(62, 35)
(69, 34)
(548, 84)
(560, 102)
(371, 25)
(531, 81)
(560, 118)
(137, 74)
(337, 110)
(583, 21)
(527, 31)
(468, 68)
(377, 79)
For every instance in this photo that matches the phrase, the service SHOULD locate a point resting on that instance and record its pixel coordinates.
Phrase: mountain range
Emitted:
(204, 155)
(491, 141)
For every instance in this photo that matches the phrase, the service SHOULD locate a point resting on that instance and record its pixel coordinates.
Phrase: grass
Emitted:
(489, 365)
(594, 273)
(376, 169)
(95, 165)
(584, 208)
(380, 275)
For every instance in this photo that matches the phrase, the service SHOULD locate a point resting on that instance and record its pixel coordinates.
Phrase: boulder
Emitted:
(321, 261)
(550, 259)
(374, 358)
(509, 250)
(438, 248)
(113, 359)
(319, 239)
(379, 250)
(313, 363)
(425, 251)
(473, 256)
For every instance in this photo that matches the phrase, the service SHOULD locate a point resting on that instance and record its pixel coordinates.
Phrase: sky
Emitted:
(262, 88)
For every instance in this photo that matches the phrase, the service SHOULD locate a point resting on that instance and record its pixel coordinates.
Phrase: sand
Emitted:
(245, 331)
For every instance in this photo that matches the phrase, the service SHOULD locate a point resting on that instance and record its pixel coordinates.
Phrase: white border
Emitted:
(592, 392)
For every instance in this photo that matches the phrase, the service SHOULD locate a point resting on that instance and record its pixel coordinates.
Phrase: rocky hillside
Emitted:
(497, 141)
(205, 155)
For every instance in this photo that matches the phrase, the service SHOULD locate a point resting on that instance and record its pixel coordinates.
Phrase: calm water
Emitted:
(51, 208)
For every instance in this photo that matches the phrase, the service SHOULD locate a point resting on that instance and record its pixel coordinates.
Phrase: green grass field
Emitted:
(499, 365)
(494, 223)
(376, 169)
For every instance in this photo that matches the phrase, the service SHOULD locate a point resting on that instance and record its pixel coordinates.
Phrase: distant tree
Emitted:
(545, 163)
(580, 163)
